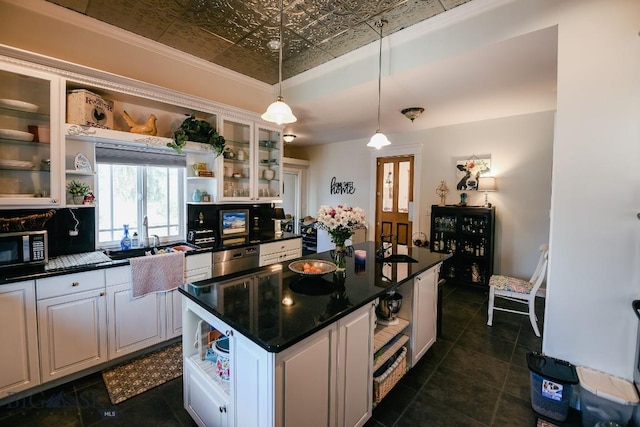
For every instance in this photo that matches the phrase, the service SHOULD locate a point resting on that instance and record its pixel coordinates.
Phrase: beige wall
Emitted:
(520, 149)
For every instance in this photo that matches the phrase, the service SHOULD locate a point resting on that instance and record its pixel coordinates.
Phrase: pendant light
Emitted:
(379, 140)
(279, 112)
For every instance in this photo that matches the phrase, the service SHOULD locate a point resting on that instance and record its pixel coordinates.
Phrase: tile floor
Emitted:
(475, 375)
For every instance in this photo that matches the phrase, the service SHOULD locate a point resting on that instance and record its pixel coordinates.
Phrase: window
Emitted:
(133, 185)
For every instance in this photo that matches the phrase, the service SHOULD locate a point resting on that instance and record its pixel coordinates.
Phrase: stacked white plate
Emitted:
(16, 135)
(14, 104)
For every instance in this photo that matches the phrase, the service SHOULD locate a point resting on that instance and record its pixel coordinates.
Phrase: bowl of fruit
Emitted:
(312, 267)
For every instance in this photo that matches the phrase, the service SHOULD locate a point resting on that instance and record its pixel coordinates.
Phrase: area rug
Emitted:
(144, 373)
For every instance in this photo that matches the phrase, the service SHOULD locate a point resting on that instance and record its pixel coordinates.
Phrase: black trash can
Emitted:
(552, 382)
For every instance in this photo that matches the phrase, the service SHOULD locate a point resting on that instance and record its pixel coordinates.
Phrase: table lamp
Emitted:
(486, 184)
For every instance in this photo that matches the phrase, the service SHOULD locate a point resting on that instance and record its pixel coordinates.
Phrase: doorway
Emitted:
(394, 197)
(291, 201)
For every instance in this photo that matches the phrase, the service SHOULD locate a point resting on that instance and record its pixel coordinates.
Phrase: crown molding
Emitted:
(87, 23)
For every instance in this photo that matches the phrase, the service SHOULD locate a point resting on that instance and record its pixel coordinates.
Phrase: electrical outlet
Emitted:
(73, 233)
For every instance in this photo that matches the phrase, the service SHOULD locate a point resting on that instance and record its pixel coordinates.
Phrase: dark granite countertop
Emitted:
(87, 261)
(318, 302)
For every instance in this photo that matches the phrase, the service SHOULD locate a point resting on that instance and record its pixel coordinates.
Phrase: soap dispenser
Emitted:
(125, 242)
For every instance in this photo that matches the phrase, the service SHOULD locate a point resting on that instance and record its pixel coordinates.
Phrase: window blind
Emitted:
(129, 155)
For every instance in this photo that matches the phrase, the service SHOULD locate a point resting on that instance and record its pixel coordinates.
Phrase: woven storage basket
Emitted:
(385, 382)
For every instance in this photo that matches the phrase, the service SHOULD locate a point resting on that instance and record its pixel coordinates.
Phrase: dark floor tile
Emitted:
(518, 382)
(149, 410)
(514, 412)
(487, 344)
(433, 413)
(520, 354)
(452, 328)
(462, 393)
(420, 373)
(389, 410)
(501, 329)
(95, 404)
(528, 338)
(476, 365)
(88, 380)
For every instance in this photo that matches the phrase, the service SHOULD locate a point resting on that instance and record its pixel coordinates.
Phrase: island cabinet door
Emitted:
(253, 384)
(425, 313)
(306, 382)
(355, 367)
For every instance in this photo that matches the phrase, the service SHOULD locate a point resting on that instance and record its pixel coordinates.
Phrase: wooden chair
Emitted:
(519, 290)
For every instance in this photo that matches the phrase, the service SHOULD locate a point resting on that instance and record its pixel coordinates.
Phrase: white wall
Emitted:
(594, 271)
(593, 268)
(520, 148)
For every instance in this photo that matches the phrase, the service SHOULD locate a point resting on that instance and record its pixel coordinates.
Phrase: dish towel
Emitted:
(157, 273)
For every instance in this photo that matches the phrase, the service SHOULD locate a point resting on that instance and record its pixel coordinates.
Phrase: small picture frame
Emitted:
(206, 198)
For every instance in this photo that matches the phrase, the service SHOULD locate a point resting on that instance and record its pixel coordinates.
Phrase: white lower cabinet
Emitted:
(280, 251)
(19, 369)
(355, 367)
(424, 313)
(324, 380)
(197, 267)
(72, 323)
(202, 400)
(134, 323)
(306, 381)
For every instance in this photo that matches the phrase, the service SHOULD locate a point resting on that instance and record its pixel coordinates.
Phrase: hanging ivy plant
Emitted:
(197, 130)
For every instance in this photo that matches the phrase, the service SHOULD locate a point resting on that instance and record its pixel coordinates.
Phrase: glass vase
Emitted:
(339, 256)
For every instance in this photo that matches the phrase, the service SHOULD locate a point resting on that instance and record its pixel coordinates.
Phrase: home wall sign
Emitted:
(343, 187)
(468, 171)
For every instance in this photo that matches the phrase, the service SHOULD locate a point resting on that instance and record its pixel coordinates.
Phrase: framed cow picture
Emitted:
(468, 171)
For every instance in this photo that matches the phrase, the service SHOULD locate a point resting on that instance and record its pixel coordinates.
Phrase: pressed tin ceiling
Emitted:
(234, 33)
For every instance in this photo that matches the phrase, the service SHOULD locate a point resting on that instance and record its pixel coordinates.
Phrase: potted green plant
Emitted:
(78, 190)
(197, 130)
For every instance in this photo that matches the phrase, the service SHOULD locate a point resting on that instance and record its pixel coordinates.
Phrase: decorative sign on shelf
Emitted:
(344, 187)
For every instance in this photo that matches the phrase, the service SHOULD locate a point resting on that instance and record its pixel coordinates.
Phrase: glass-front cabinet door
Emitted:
(237, 171)
(269, 167)
(29, 137)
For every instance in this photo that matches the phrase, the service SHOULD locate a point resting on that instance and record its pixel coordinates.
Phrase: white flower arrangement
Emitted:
(340, 221)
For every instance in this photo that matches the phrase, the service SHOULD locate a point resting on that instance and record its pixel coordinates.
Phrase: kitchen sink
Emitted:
(398, 258)
(118, 254)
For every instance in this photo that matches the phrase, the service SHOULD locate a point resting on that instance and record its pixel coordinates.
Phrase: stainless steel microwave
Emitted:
(23, 248)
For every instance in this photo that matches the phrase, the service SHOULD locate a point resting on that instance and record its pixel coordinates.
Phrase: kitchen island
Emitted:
(300, 349)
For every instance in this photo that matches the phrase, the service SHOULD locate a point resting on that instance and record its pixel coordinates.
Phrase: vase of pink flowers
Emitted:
(340, 222)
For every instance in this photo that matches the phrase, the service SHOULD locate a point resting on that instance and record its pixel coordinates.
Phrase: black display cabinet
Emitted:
(469, 234)
(309, 237)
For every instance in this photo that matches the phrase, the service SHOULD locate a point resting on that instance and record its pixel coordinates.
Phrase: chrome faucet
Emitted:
(145, 235)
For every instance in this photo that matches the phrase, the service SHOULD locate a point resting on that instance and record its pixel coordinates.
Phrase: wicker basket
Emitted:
(385, 382)
(31, 222)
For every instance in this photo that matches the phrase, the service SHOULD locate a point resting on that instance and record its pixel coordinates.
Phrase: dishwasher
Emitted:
(235, 260)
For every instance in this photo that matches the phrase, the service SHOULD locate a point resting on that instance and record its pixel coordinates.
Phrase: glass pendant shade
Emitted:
(279, 112)
(378, 140)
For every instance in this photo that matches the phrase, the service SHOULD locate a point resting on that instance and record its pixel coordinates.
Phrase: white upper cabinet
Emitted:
(250, 167)
(58, 101)
(29, 136)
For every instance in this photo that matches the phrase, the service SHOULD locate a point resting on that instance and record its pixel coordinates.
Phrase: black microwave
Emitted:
(23, 248)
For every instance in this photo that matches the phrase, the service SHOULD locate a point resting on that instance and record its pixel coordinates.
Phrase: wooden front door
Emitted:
(394, 192)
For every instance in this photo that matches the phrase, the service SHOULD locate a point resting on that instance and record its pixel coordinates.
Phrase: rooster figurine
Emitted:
(146, 128)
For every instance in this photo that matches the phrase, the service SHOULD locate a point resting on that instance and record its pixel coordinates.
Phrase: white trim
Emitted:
(292, 161)
(414, 150)
(91, 24)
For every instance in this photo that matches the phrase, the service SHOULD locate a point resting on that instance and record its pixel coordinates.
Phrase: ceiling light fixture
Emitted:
(279, 112)
(288, 137)
(412, 113)
(379, 140)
